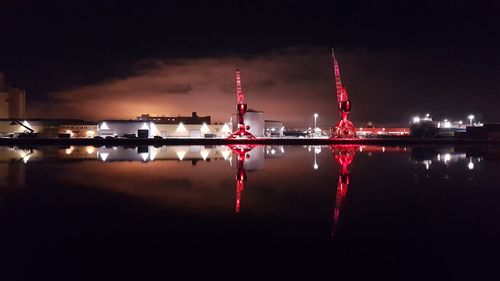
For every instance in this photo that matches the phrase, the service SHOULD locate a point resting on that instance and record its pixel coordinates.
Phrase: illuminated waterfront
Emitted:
(399, 212)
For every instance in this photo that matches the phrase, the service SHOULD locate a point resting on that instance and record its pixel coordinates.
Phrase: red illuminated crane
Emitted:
(241, 107)
(344, 154)
(241, 175)
(345, 128)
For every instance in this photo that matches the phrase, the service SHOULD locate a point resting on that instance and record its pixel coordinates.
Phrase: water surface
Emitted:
(321, 212)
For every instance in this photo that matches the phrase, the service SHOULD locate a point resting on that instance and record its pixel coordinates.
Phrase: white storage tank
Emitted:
(254, 119)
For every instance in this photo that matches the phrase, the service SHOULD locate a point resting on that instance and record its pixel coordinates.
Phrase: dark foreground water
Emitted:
(308, 212)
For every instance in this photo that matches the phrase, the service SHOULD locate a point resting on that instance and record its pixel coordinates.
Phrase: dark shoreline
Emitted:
(282, 141)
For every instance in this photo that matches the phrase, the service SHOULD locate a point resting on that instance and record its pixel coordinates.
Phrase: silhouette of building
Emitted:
(12, 101)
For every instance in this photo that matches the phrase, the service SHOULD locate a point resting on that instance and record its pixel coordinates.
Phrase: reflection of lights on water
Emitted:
(470, 165)
(225, 153)
(273, 151)
(69, 150)
(427, 164)
(104, 156)
(317, 149)
(282, 149)
(360, 148)
(315, 166)
(204, 154)
(90, 149)
(447, 157)
(153, 153)
(439, 157)
(145, 156)
(383, 148)
(181, 154)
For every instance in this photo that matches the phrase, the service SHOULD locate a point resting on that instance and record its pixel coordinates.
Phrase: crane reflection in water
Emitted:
(242, 153)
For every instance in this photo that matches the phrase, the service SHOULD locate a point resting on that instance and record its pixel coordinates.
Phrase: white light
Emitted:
(225, 129)
(470, 117)
(25, 123)
(315, 166)
(316, 115)
(416, 119)
(447, 124)
(273, 151)
(181, 127)
(104, 156)
(144, 126)
(204, 128)
(26, 158)
(104, 126)
(470, 165)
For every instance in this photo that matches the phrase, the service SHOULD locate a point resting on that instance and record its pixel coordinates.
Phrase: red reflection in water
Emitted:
(344, 154)
(241, 176)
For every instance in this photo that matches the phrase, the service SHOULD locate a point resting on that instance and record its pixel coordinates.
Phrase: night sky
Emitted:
(118, 59)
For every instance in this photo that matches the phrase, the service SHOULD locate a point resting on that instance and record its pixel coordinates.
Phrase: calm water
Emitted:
(313, 212)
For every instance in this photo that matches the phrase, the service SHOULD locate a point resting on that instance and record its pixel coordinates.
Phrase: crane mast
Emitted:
(344, 128)
(241, 108)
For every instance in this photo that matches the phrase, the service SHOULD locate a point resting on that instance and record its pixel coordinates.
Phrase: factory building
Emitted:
(148, 129)
(12, 101)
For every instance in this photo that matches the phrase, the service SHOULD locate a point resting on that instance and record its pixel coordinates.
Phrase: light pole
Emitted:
(315, 117)
(471, 117)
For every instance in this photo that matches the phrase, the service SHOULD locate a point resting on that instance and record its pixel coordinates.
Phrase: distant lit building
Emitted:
(12, 101)
(79, 129)
(381, 132)
(274, 128)
(193, 119)
(425, 127)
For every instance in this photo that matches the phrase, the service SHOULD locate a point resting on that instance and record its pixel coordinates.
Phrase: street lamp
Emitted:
(315, 117)
(471, 117)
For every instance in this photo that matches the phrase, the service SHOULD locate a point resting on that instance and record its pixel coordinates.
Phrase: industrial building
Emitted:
(148, 129)
(12, 101)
